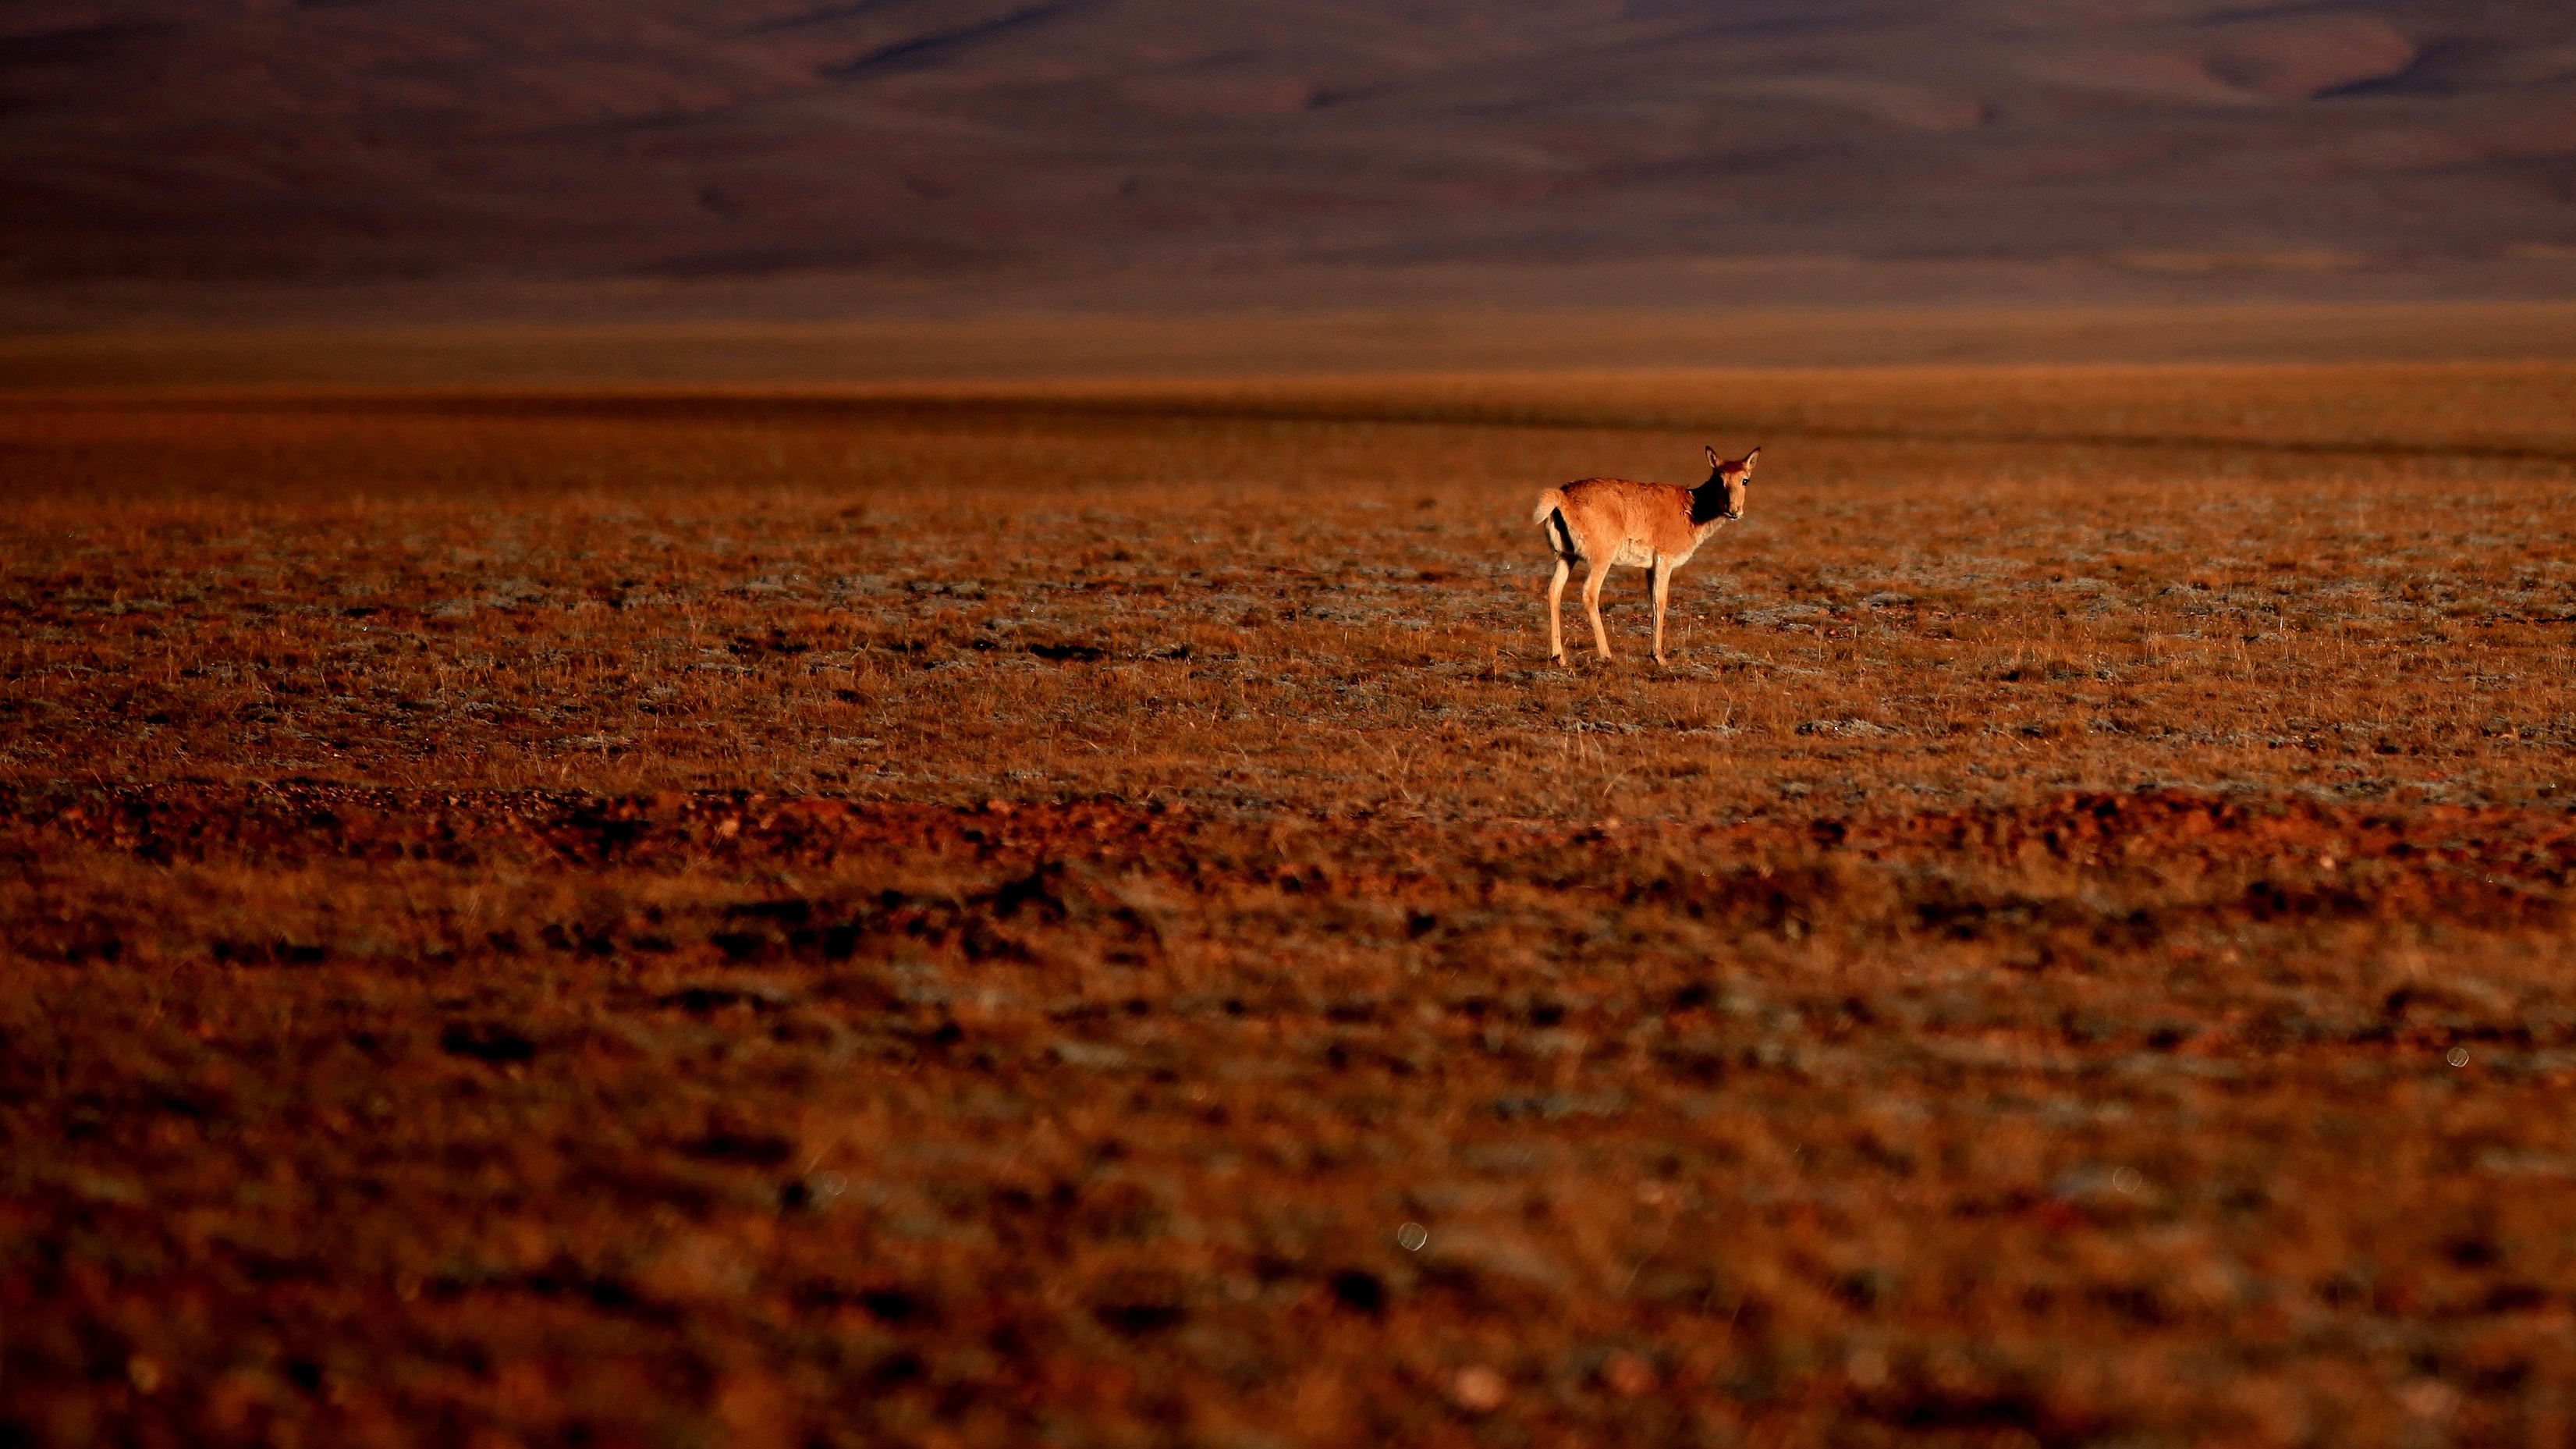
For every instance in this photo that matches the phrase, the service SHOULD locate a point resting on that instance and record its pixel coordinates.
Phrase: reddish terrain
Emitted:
(793, 1121)
(980, 916)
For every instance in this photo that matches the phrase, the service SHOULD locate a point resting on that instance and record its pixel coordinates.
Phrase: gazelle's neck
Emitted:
(1707, 505)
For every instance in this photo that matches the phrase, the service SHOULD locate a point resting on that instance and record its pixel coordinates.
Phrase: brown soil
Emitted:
(977, 918)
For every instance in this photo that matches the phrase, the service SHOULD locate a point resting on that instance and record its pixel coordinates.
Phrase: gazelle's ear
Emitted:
(1749, 457)
(1712, 455)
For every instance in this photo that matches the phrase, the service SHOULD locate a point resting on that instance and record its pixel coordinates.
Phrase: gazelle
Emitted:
(1652, 526)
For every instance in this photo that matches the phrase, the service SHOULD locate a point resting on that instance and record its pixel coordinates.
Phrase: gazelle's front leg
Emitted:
(1592, 604)
(1662, 575)
(1555, 612)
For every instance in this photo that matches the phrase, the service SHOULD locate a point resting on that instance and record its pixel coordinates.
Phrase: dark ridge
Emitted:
(791, 410)
(2438, 70)
(2243, 13)
(925, 51)
(824, 16)
(83, 46)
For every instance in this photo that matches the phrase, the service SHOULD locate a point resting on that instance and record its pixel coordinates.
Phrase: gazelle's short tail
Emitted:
(1550, 515)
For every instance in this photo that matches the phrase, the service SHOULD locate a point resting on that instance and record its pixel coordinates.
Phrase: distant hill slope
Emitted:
(952, 138)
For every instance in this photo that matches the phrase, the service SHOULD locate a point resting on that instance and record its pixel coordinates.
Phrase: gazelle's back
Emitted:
(1608, 512)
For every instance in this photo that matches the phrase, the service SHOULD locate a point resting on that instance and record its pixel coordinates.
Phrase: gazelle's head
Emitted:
(1733, 475)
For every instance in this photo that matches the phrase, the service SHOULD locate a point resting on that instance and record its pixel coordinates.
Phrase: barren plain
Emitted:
(997, 914)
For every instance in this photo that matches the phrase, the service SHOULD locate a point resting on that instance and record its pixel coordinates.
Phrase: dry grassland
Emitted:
(981, 915)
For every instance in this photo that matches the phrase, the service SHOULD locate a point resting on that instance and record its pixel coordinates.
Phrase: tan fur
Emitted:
(1610, 522)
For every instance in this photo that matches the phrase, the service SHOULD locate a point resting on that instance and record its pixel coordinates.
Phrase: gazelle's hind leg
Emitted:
(1592, 605)
(1662, 575)
(1555, 613)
